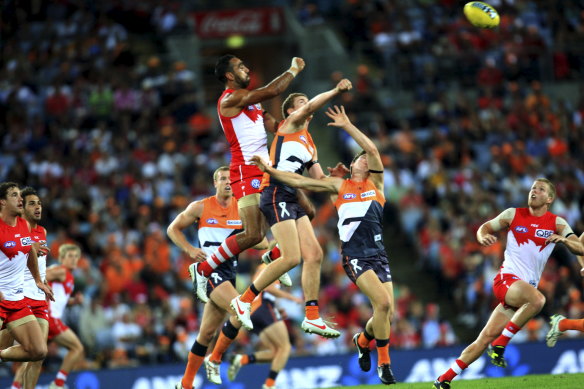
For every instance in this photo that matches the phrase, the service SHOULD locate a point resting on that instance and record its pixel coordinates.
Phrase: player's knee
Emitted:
(539, 302)
(252, 236)
(36, 352)
(383, 307)
(206, 336)
(315, 257)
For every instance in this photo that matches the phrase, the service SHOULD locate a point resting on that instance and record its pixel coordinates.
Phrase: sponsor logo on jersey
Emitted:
(349, 196)
(255, 183)
(540, 233)
(9, 244)
(212, 221)
(369, 193)
(233, 222)
(26, 241)
(521, 229)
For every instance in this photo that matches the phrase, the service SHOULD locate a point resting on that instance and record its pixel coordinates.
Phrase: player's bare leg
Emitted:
(312, 261)
(31, 345)
(381, 297)
(28, 373)
(490, 331)
(530, 302)
(76, 353)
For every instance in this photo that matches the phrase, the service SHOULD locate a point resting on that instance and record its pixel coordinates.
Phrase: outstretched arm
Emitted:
(340, 119)
(298, 117)
(183, 220)
(242, 97)
(327, 184)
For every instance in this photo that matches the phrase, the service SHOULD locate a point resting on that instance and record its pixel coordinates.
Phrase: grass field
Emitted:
(561, 381)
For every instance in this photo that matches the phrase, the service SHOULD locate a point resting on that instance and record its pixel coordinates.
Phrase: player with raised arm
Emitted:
(217, 219)
(293, 151)
(559, 323)
(17, 251)
(28, 373)
(242, 119)
(359, 201)
(532, 234)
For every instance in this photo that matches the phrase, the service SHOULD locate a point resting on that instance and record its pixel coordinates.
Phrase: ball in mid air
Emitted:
(481, 14)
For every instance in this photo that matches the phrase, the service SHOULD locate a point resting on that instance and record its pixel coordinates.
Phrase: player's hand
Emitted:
(339, 117)
(259, 162)
(41, 249)
(344, 85)
(487, 240)
(197, 254)
(340, 170)
(297, 65)
(555, 238)
(47, 289)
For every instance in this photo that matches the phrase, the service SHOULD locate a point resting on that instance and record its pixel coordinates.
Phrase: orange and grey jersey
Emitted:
(360, 209)
(290, 153)
(216, 224)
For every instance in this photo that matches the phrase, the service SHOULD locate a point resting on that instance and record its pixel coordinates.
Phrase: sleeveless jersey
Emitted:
(527, 252)
(290, 153)
(247, 137)
(360, 209)
(62, 291)
(31, 290)
(15, 246)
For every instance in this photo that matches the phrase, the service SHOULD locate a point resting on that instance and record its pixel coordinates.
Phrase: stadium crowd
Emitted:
(117, 143)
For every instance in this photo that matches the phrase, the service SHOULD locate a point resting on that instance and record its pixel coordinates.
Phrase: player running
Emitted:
(28, 373)
(532, 234)
(18, 251)
(359, 201)
(61, 279)
(242, 119)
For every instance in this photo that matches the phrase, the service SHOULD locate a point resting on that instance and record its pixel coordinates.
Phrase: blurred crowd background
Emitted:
(118, 141)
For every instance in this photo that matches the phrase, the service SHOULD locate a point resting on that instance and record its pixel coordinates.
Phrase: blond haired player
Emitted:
(61, 279)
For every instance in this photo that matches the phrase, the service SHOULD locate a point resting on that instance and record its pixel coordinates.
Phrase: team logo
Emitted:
(10, 244)
(349, 196)
(370, 193)
(233, 222)
(26, 241)
(521, 229)
(212, 221)
(303, 138)
(255, 183)
(543, 233)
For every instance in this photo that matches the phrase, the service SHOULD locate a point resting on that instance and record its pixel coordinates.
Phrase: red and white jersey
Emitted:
(61, 291)
(31, 290)
(247, 137)
(527, 252)
(217, 223)
(15, 246)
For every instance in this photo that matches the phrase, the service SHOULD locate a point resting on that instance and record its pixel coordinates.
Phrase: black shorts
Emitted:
(277, 204)
(355, 266)
(264, 316)
(225, 272)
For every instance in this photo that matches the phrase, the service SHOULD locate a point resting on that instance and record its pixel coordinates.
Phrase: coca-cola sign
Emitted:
(247, 22)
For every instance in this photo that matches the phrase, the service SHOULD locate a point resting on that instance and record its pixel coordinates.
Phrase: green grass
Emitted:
(548, 381)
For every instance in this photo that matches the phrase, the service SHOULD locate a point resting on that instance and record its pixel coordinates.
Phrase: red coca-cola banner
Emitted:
(247, 22)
